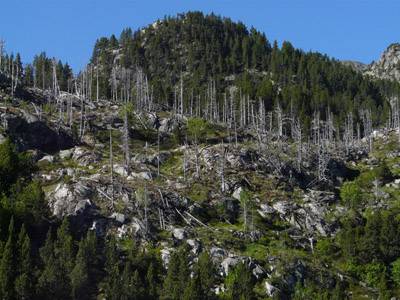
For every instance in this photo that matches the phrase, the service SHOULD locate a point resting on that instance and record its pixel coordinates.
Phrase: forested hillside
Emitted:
(199, 49)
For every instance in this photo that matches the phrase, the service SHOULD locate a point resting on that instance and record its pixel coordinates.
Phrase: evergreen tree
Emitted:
(152, 282)
(239, 283)
(8, 266)
(194, 290)
(24, 280)
(178, 276)
(112, 280)
(206, 273)
(79, 274)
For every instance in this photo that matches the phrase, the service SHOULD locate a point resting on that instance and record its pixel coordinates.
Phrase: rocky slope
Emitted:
(388, 66)
(178, 195)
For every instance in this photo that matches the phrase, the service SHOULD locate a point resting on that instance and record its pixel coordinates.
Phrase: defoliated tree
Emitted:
(197, 129)
(244, 199)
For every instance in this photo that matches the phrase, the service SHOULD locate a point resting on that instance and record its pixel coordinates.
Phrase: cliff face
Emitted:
(388, 66)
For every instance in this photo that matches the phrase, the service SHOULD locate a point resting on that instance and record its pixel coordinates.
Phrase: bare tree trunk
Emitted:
(111, 170)
(2, 43)
(181, 97)
(97, 82)
(158, 151)
(222, 167)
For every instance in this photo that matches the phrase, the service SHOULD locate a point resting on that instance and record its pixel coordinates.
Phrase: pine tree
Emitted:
(206, 272)
(79, 274)
(8, 266)
(152, 282)
(112, 280)
(131, 284)
(239, 283)
(24, 281)
(65, 258)
(193, 290)
(178, 275)
(47, 286)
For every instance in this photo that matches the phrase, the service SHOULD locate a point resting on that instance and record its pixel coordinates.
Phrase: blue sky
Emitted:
(67, 29)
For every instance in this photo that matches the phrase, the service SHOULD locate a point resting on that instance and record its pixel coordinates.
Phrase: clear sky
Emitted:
(67, 29)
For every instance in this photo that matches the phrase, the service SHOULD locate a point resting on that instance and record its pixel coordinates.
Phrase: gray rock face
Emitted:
(194, 245)
(152, 159)
(229, 263)
(140, 175)
(84, 156)
(120, 170)
(308, 216)
(118, 217)
(168, 125)
(65, 154)
(166, 256)
(48, 159)
(217, 253)
(265, 210)
(27, 132)
(388, 66)
(179, 233)
(270, 289)
(237, 192)
(355, 65)
(69, 199)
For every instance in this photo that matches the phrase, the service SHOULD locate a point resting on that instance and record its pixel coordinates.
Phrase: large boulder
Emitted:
(179, 233)
(69, 200)
(27, 132)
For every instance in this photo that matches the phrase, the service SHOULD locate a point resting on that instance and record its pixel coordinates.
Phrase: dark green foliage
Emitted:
(208, 47)
(207, 275)
(82, 275)
(309, 290)
(193, 290)
(24, 281)
(351, 194)
(9, 166)
(30, 203)
(239, 283)
(8, 266)
(43, 74)
(178, 276)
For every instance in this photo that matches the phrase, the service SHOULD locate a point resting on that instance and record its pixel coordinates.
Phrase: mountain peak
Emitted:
(388, 66)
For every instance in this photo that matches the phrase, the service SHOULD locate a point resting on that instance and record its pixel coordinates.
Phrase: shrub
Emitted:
(351, 194)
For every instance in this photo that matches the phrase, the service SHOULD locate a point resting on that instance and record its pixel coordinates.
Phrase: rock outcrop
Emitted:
(388, 66)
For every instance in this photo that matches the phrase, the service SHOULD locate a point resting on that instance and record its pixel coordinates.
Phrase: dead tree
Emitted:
(111, 170)
(2, 43)
(279, 120)
(126, 95)
(158, 151)
(143, 201)
(297, 136)
(367, 124)
(233, 116)
(97, 81)
(223, 155)
(181, 97)
(321, 147)
(395, 116)
(184, 162)
(348, 136)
